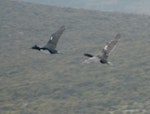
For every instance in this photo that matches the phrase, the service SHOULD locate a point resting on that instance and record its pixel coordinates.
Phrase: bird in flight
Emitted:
(50, 47)
(103, 55)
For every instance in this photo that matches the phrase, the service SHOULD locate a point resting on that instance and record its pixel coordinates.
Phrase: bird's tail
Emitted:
(109, 63)
(60, 52)
(88, 55)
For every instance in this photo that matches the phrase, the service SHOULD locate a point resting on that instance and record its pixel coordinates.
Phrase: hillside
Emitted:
(126, 6)
(35, 83)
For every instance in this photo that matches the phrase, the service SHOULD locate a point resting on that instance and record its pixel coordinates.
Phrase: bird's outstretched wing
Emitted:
(52, 43)
(110, 45)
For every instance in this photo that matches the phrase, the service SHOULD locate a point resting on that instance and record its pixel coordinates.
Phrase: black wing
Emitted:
(110, 46)
(52, 43)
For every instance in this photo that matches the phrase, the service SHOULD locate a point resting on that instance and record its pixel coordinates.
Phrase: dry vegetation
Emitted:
(35, 83)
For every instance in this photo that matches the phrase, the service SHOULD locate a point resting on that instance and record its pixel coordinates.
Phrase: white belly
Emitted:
(45, 51)
(91, 60)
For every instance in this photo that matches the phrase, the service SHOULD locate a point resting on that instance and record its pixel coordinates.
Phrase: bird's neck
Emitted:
(36, 47)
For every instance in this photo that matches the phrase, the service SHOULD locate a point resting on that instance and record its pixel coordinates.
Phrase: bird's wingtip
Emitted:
(118, 36)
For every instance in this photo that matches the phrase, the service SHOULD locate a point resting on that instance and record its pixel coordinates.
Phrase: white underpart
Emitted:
(91, 60)
(45, 51)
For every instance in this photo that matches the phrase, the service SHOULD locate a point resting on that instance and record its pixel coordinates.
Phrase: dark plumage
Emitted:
(88, 55)
(52, 43)
(102, 57)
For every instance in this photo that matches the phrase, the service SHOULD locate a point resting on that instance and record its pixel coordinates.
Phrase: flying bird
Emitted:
(103, 55)
(50, 47)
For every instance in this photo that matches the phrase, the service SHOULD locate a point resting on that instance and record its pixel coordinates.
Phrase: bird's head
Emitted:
(36, 47)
